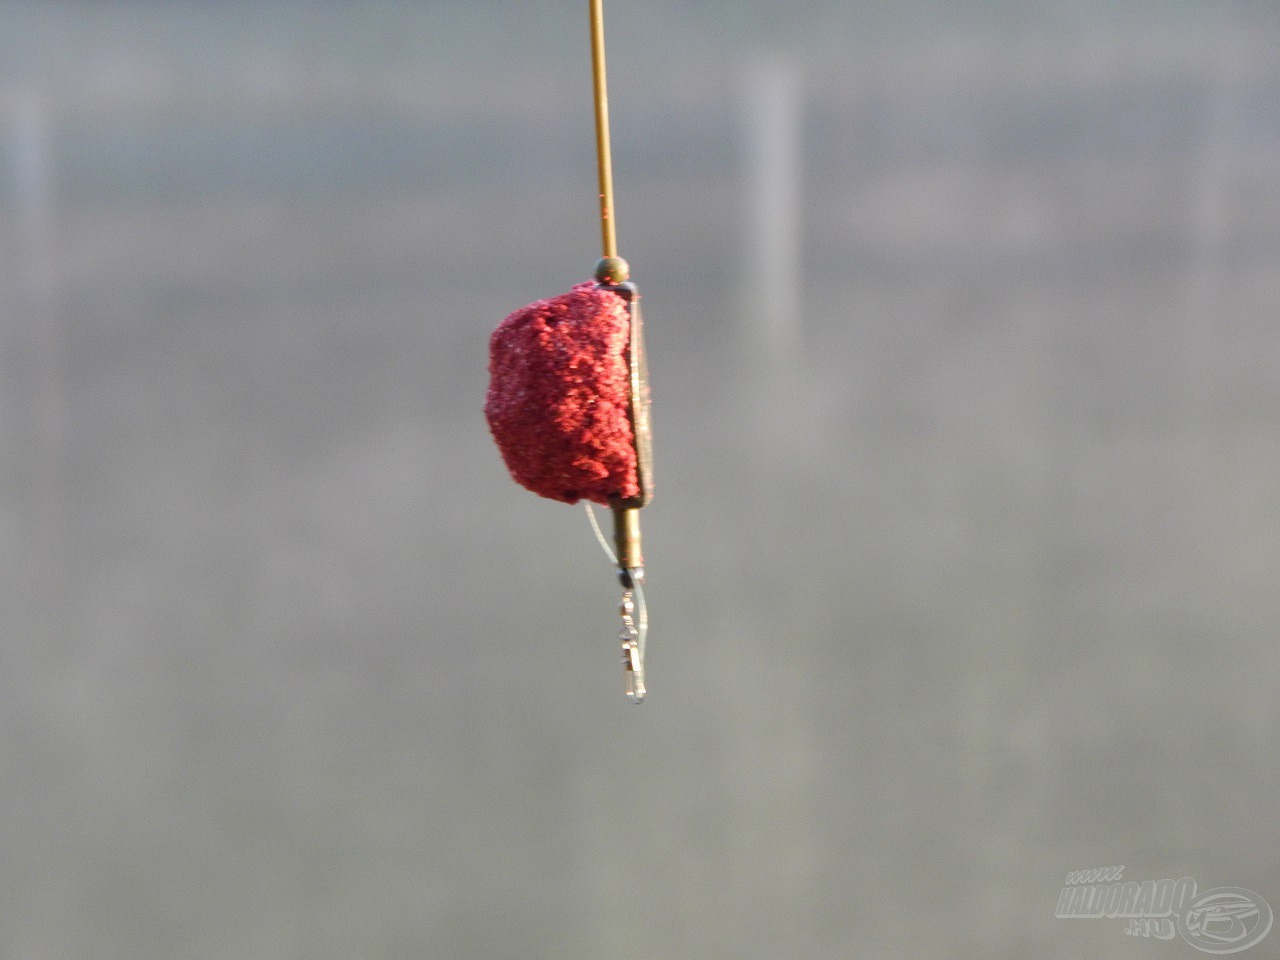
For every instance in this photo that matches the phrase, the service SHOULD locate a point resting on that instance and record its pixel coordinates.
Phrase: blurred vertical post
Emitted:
(1207, 428)
(1210, 196)
(773, 765)
(773, 115)
(31, 135)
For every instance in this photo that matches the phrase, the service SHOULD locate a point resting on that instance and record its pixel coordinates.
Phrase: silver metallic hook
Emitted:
(635, 618)
(635, 625)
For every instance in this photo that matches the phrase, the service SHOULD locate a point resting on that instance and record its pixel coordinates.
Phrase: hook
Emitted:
(634, 610)
(635, 626)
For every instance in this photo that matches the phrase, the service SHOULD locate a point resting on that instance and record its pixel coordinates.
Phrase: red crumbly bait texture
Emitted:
(558, 402)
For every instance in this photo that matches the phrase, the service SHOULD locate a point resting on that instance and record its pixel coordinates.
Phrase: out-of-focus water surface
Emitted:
(962, 565)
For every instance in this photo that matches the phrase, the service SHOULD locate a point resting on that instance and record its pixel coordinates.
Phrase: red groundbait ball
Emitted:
(558, 400)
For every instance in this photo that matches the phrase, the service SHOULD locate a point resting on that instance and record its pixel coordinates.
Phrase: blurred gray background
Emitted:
(963, 331)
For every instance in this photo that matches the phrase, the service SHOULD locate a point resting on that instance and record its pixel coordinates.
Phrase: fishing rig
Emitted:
(568, 401)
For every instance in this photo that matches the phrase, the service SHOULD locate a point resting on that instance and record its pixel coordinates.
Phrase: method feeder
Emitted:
(568, 399)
